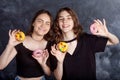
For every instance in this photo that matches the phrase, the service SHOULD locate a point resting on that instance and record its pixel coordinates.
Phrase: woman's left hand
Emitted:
(101, 28)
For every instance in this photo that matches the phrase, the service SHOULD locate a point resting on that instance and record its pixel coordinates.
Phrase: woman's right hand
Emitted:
(58, 54)
(12, 39)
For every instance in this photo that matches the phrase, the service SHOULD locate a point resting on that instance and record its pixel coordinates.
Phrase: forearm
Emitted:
(58, 72)
(112, 39)
(5, 55)
(46, 70)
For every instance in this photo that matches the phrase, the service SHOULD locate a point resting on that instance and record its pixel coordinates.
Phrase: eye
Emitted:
(61, 19)
(39, 20)
(47, 23)
(69, 18)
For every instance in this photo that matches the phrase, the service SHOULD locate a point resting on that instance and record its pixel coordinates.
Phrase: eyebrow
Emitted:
(48, 22)
(43, 20)
(67, 16)
(39, 19)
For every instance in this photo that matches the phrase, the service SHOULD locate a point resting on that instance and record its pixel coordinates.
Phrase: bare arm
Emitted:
(58, 72)
(112, 39)
(7, 55)
(9, 52)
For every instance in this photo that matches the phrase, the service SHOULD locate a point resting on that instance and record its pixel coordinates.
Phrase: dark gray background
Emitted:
(18, 14)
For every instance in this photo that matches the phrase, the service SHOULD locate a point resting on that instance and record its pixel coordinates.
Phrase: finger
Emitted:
(53, 48)
(96, 33)
(56, 47)
(46, 51)
(10, 32)
(100, 22)
(95, 21)
(34, 57)
(18, 30)
(52, 53)
(105, 24)
(46, 54)
(14, 32)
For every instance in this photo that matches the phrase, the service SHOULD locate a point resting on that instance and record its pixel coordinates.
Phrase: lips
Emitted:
(41, 29)
(65, 26)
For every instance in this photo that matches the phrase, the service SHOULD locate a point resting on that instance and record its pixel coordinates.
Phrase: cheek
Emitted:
(72, 23)
(71, 26)
(48, 28)
(61, 28)
(34, 28)
(60, 23)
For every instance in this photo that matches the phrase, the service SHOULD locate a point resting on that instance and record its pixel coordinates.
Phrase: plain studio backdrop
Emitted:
(18, 14)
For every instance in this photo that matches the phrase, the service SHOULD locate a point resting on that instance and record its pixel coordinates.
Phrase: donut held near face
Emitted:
(20, 36)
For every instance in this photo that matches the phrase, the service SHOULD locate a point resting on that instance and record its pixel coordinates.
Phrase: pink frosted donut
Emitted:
(93, 28)
(37, 53)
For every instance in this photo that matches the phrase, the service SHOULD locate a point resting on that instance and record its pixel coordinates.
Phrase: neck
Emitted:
(69, 36)
(37, 38)
(69, 41)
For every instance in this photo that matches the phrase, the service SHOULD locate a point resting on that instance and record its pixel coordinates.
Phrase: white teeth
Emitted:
(65, 26)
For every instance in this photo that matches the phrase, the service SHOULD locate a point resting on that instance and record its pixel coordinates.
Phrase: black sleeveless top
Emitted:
(27, 66)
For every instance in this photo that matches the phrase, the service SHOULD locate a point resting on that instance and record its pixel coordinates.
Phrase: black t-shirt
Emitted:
(81, 65)
(27, 66)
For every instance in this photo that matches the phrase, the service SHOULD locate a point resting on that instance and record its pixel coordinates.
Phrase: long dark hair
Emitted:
(48, 36)
(77, 27)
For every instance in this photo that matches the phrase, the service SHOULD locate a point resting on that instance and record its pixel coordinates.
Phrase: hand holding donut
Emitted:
(12, 37)
(41, 56)
(99, 28)
(57, 53)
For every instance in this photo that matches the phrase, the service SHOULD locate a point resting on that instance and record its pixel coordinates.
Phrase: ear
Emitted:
(33, 24)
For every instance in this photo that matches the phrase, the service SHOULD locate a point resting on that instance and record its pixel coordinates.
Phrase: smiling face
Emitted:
(42, 24)
(65, 21)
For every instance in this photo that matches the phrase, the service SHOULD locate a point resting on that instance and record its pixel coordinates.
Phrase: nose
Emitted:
(64, 20)
(44, 25)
